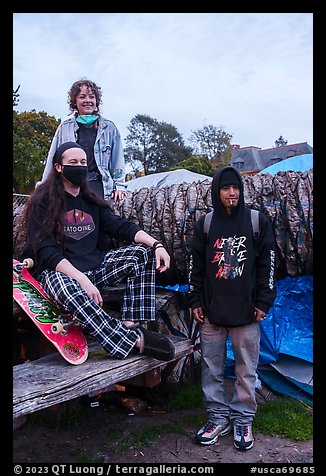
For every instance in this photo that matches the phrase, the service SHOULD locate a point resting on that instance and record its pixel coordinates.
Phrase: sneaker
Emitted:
(243, 438)
(154, 344)
(209, 433)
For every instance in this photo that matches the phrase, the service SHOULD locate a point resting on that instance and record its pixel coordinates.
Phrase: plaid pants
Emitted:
(133, 264)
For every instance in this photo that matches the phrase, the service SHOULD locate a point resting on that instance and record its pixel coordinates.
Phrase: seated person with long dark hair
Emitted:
(64, 219)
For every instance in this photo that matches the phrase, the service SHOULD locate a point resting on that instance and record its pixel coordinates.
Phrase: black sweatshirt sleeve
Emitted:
(116, 226)
(266, 266)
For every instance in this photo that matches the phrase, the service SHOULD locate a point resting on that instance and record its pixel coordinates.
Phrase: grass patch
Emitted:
(189, 396)
(282, 416)
(193, 420)
(285, 417)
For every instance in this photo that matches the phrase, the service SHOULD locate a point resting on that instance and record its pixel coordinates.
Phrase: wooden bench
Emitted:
(51, 380)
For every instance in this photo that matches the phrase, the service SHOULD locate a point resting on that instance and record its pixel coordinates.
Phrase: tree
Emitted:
(154, 146)
(32, 135)
(211, 141)
(226, 157)
(280, 141)
(198, 164)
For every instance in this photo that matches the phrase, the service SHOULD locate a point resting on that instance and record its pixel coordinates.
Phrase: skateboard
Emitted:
(58, 328)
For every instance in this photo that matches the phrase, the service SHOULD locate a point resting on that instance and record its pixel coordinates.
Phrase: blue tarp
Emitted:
(285, 385)
(288, 327)
(286, 349)
(299, 163)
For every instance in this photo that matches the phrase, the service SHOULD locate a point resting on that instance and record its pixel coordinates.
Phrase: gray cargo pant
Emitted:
(241, 408)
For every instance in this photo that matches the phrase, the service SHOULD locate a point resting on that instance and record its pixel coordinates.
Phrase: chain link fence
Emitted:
(19, 199)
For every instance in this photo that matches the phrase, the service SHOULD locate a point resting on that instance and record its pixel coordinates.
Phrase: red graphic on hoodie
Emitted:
(230, 252)
(78, 224)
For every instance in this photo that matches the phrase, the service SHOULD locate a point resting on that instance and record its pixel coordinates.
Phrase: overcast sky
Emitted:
(250, 73)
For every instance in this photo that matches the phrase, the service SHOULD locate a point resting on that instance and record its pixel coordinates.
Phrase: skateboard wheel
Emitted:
(57, 328)
(28, 263)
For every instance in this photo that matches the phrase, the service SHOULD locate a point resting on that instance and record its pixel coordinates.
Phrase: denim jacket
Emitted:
(108, 152)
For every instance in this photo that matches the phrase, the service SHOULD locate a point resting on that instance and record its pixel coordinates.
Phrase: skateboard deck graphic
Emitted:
(58, 329)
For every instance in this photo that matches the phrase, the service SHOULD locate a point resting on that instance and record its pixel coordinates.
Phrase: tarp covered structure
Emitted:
(287, 332)
(169, 212)
(298, 163)
(286, 350)
(165, 179)
(286, 347)
(286, 356)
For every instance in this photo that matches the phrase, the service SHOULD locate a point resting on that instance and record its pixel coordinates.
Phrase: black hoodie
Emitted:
(84, 220)
(230, 274)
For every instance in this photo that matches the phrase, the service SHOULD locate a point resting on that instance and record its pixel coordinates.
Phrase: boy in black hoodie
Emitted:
(232, 287)
(64, 219)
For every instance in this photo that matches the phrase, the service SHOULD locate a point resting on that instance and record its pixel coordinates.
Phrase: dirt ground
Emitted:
(114, 433)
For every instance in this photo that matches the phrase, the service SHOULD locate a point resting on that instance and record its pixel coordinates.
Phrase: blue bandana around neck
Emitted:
(87, 119)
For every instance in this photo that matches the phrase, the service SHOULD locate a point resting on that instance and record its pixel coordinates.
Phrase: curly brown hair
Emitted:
(75, 90)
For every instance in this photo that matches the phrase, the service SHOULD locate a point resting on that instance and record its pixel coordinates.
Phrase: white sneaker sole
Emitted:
(245, 448)
(224, 432)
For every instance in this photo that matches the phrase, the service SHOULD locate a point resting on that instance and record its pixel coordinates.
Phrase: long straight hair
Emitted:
(52, 193)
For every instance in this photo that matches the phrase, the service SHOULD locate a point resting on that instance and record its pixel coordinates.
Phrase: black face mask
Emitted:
(76, 174)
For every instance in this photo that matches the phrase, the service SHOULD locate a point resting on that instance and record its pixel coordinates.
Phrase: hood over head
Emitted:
(225, 176)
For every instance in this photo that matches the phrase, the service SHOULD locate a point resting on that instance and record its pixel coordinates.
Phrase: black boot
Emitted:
(154, 344)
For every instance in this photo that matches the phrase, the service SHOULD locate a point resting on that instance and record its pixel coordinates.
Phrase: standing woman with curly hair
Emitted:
(98, 136)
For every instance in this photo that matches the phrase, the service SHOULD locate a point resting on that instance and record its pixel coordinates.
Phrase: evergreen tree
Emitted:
(32, 135)
(153, 146)
(211, 141)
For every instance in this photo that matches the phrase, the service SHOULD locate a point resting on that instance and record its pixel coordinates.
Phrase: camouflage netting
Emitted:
(169, 215)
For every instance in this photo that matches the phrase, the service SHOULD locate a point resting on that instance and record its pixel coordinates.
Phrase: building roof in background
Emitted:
(253, 159)
(299, 163)
(165, 179)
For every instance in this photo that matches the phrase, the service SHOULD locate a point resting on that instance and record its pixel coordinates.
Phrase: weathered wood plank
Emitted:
(51, 380)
